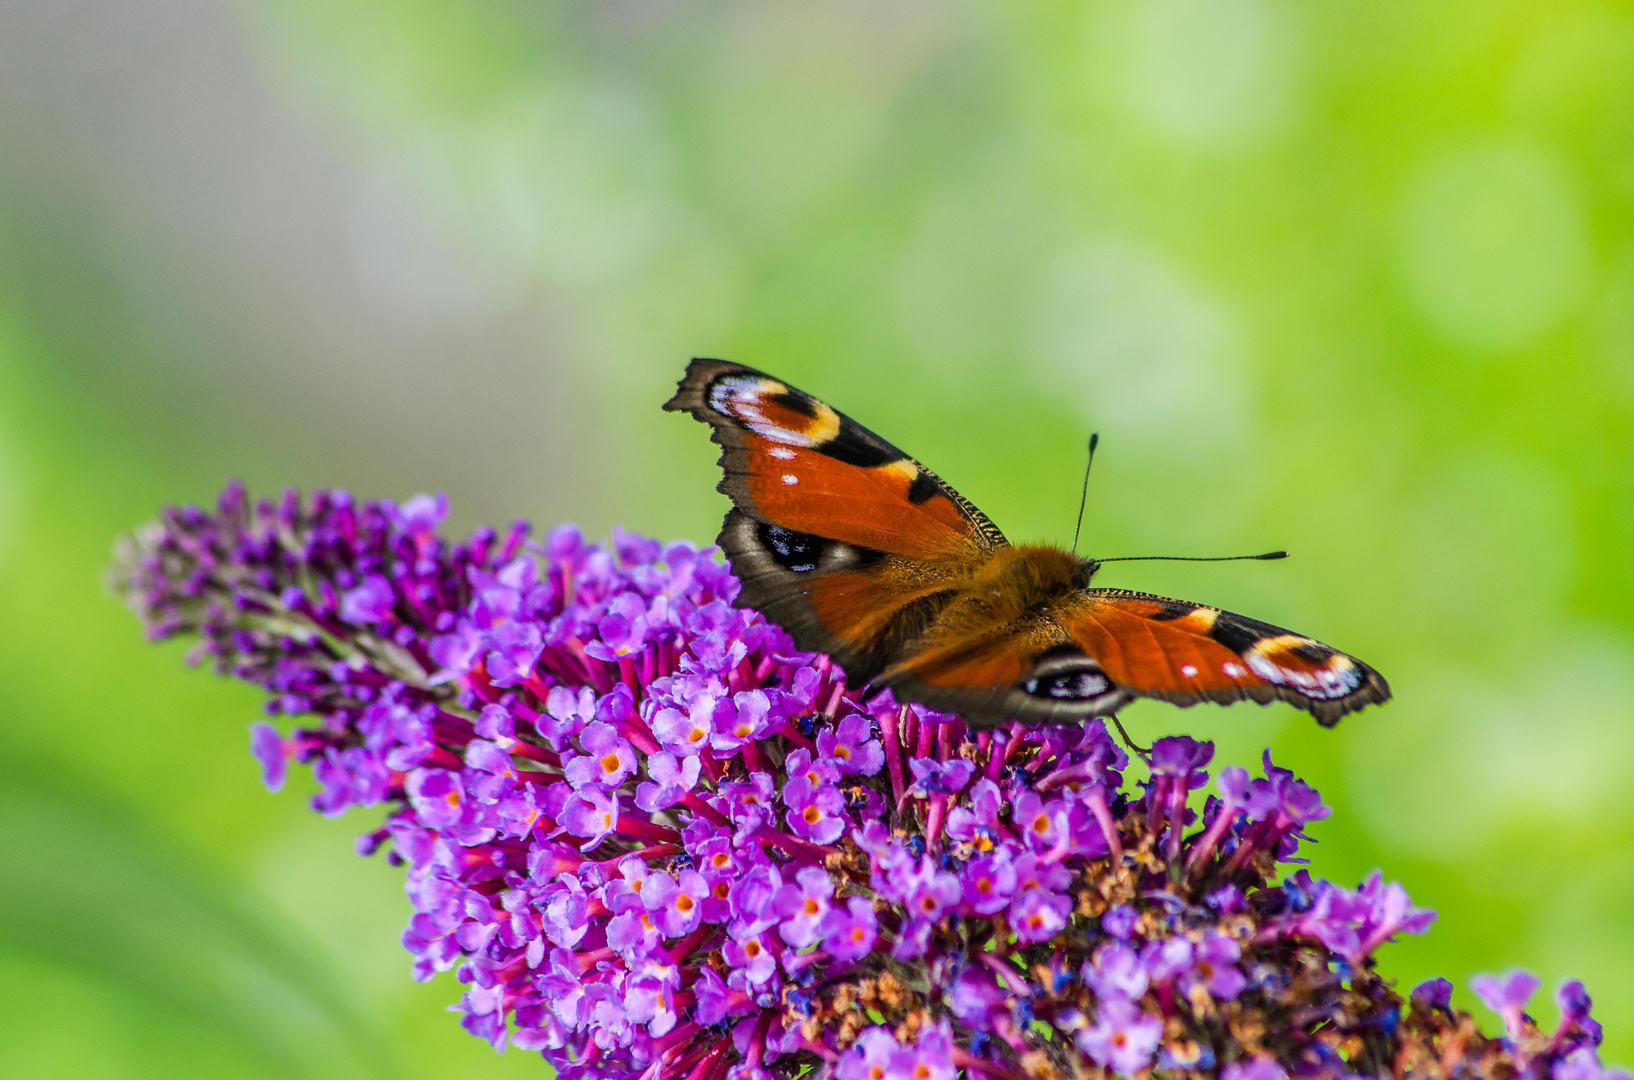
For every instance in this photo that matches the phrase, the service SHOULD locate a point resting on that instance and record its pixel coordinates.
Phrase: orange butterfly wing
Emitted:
(838, 536)
(1186, 653)
(1101, 648)
(790, 459)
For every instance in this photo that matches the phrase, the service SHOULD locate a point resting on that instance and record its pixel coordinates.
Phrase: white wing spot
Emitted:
(782, 452)
(1187, 670)
(1335, 677)
(790, 479)
(744, 396)
(1235, 671)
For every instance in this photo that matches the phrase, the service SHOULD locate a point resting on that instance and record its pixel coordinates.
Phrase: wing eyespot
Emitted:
(1065, 674)
(795, 552)
(803, 553)
(1079, 686)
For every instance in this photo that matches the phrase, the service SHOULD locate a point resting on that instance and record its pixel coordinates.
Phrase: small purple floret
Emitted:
(370, 602)
(272, 752)
(1507, 996)
(1123, 1038)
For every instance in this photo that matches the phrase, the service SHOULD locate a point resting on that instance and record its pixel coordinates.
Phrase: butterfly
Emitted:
(859, 551)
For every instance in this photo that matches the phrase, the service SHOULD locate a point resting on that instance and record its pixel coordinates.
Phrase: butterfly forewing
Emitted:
(1185, 653)
(790, 459)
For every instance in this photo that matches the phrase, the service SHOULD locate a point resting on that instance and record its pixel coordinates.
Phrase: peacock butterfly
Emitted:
(859, 551)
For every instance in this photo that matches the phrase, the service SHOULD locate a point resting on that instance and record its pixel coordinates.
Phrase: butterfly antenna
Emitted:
(1194, 558)
(1083, 494)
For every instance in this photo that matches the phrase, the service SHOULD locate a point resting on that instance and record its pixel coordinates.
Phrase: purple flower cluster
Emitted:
(651, 837)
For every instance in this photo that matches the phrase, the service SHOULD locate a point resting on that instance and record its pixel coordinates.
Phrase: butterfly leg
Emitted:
(1144, 752)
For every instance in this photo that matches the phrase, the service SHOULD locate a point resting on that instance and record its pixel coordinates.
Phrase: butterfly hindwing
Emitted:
(1015, 674)
(860, 606)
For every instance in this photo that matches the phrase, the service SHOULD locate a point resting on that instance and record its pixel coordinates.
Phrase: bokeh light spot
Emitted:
(1614, 324)
(1494, 248)
(1204, 73)
(1473, 517)
(801, 94)
(1548, 742)
(1146, 352)
(414, 261)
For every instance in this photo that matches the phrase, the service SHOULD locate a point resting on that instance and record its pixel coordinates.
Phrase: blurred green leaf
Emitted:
(83, 887)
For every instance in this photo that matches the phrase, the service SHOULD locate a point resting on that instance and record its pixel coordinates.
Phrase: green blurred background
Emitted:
(1356, 280)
